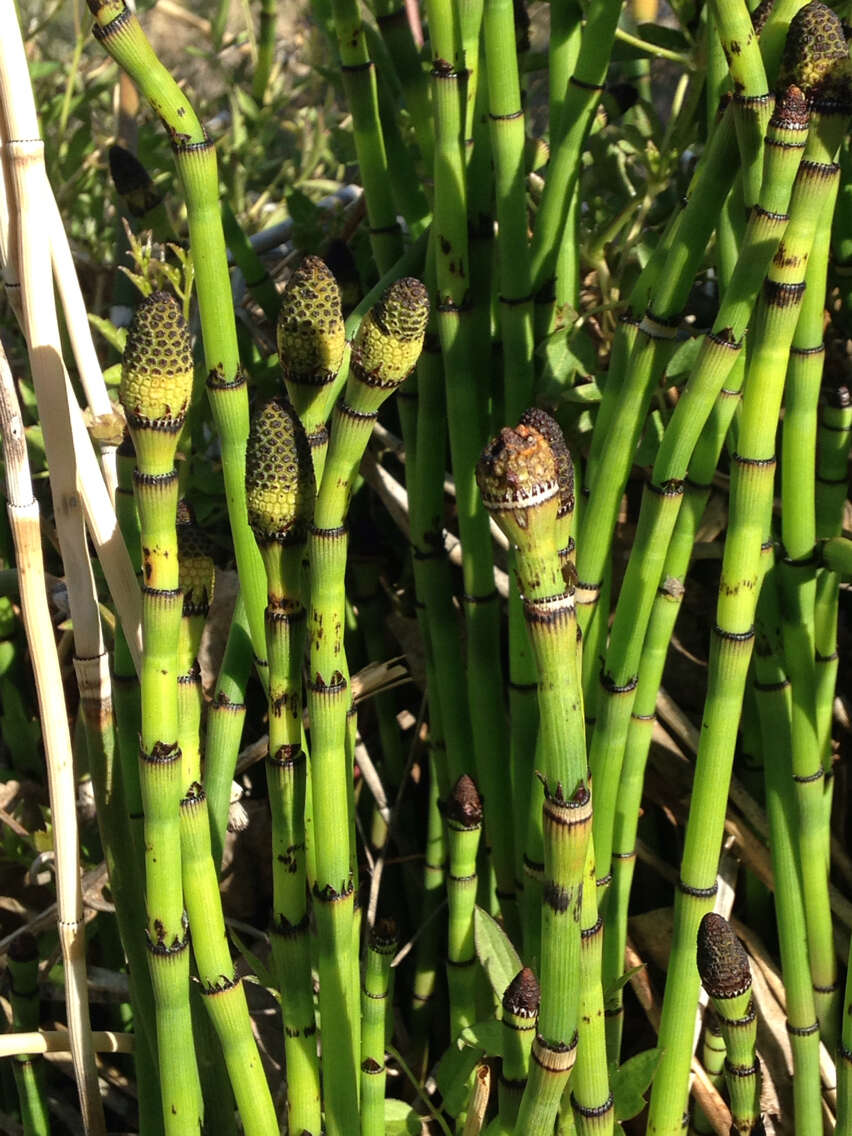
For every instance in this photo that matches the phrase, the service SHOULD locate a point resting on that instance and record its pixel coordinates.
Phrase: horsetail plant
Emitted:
(385, 350)
(517, 476)
(118, 29)
(726, 976)
(376, 991)
(156, 384)
(280, 492)
(825, 75)
(28, 1067)
(463, 811)
(311, 341)
(520, 1004)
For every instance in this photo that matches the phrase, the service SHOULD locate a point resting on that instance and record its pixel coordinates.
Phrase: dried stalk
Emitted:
(24, 521)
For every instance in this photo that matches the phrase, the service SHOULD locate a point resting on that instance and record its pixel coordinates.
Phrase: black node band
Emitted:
(586, 86)
(807, 779)
(486, 597)
(597, 1111)
(612, 687)
(353, 68)
(697, 893)
(771, 687)
(733, 636)
(802, 1031)
(755, 463)
(506, 117)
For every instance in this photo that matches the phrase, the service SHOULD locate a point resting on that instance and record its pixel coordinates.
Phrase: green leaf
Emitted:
(630, 1082)
(620, 983)
(682, 361)
(486, 1036)
(494, 950)
(401, 1119)
(560, 362)
(263, 972)
(453, 1073)
(115, 336)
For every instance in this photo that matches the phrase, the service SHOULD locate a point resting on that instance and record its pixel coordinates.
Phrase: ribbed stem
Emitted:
(28, 1068)
(359, 81)
(222, 992)
(750, 513)
(772, 695)
(463, 811)
(374, 1000)
(121, 34)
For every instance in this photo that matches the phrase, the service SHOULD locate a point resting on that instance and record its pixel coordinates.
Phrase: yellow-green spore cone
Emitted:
(197, 582)
(387, 344)
(815, 45)
(280, 485)
(311, 340)
(156, 381)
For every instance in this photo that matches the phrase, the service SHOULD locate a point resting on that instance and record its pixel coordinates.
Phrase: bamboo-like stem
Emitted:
(751, 498)
(222, 992)
(281, 491)
(463, 811)
(520, 486)
(375, 994)
(225, 719)
(121, 35)
(265, 50)
(772, 694)
(463, 375)
(392, 20)
(359, 81)
(57, 1041)
(28, 1066)
(833, 440)
(157, 374)
(713, 1060)
(24, 521)
(384, 352)
(726, 976)
(662, 497)
(797, 580)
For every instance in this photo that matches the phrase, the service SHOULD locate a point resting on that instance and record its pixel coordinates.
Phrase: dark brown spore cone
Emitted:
(23, 948)
(516, 465)
(791, 109)
(132, 181)
(464, 806)
(384, 935)
(838, 398)
(816, 57)
(551, 431)
(722, 960)
(523, 994)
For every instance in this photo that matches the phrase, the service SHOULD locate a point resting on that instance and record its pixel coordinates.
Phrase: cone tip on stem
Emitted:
(517, 470)
(722, 960)
(23, 948)
(384, 935)
(280, 486)
(388, 342)
(310, 330)
(523, 994)
(551, 431)
(132, 181)
(197, 567)
(403, 310)
(464, 805)
(816, 57)
(157, 368)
